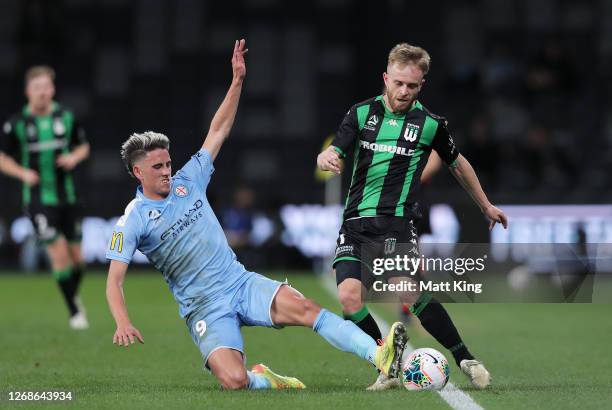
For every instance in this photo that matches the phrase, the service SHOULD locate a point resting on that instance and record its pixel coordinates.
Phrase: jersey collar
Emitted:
(158, 202)
(54, 107)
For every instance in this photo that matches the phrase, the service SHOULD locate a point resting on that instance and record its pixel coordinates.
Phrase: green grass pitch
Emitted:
(546, 356)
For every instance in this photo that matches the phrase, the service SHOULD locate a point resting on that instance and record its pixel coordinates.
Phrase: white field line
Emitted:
(455, 397)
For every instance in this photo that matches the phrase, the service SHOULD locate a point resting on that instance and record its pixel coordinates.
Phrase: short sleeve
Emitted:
(125, 238)
(9, 143)
(199, 168)
(443, 143)
(347, 132)
(79, 136)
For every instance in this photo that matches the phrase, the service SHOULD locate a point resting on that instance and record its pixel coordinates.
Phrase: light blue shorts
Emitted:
(217, 325)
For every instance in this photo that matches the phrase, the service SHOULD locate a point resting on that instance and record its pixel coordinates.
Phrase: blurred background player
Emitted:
(393, 135)
(41, 146)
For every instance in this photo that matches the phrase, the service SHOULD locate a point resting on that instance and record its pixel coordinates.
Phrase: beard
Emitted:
(401, 106)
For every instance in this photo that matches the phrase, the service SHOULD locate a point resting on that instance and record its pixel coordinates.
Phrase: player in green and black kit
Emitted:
(40, 146)
(392, 136)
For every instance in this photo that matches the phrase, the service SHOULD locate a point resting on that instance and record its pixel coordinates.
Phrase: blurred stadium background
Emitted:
(525, 85)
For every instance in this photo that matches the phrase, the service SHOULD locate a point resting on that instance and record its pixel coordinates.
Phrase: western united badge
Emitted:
(390, 245)
(58, 127)
(411, 132)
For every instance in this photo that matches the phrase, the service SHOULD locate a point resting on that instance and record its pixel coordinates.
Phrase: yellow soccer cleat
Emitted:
(388, 357)
(277, 381)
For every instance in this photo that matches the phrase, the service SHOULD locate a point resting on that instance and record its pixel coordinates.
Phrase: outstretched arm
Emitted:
(464, 173)
(223, 120)
(126, 332)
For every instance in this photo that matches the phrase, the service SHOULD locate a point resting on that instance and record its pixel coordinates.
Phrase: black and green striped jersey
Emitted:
(35, 142)
(391, 151)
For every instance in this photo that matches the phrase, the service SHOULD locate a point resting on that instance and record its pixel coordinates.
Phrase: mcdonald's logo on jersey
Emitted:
(117, 242)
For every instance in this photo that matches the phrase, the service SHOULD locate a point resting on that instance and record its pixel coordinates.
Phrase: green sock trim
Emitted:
(351, 258)
(62, 274)
(358, 316)
(420, 304)
(455, 348)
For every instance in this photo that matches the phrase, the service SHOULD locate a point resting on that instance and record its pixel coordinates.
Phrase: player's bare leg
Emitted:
(350, 291)
(291, 308)
(349, 294)
(383, 382)
(228, 367)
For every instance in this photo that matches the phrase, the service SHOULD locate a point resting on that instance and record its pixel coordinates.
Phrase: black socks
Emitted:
(438, 323)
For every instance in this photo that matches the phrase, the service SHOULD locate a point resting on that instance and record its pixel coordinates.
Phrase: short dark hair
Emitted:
(137, 146)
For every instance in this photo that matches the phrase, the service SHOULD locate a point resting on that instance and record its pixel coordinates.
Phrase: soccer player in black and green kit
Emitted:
(392, 136)
(41, 146)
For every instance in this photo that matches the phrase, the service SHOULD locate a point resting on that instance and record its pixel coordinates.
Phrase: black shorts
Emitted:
(362, 240)
(52, 221)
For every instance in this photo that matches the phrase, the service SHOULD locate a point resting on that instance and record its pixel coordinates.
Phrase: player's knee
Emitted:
(234, 379)
(350, 300)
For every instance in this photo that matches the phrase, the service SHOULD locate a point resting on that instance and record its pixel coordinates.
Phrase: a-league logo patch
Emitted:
(372, 123)
(390, 245)
(181, 191)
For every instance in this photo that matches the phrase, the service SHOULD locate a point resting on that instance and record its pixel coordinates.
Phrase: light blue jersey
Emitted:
(182, 237)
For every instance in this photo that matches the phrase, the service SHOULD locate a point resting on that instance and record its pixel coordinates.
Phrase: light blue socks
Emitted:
(345, 335)
(258, 381)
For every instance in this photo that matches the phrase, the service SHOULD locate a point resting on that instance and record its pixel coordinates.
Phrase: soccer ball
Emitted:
(425, 369)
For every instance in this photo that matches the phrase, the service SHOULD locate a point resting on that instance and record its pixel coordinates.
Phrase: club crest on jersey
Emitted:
(181, 191)
(31, 131)
(372, 123)
(390, 245)
(411, 132)
(58, 127)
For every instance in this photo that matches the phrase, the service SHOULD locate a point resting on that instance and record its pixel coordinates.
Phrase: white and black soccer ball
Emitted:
(425, 369)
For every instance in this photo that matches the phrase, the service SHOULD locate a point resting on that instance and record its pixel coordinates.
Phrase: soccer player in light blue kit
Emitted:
(172, 223)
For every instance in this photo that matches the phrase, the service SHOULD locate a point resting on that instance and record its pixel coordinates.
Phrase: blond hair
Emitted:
(405, 53)
(37, 71)
(137, 146)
